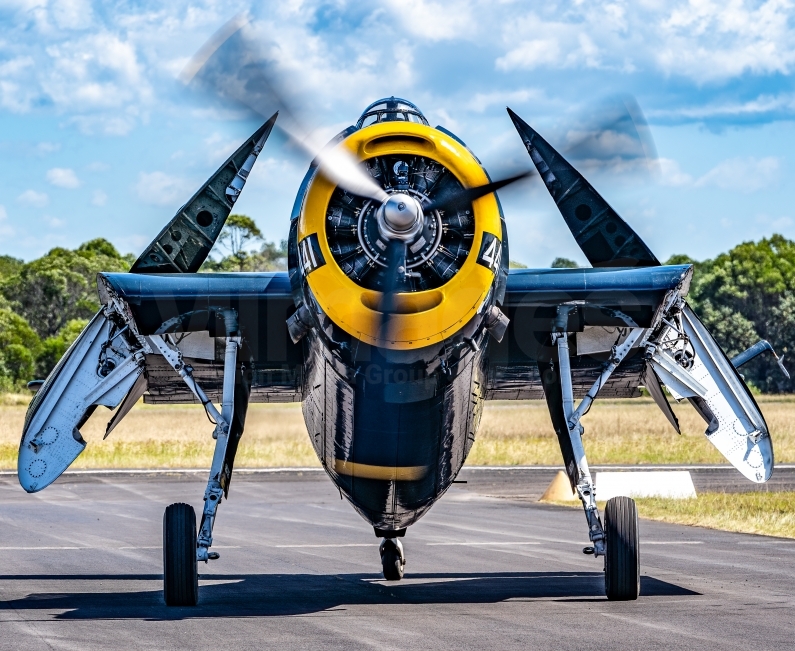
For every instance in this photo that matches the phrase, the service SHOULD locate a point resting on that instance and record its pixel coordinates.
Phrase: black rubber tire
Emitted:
(622, 561)
(390, 562)
(180, 568)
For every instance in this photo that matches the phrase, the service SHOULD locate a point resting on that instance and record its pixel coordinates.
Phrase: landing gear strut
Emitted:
(617, 541)
(393, 559)
(183, 546)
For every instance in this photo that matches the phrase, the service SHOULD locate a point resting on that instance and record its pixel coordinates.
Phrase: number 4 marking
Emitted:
(490, 252)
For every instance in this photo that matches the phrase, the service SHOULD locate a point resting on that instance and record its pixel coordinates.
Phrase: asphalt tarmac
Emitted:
(487, 568)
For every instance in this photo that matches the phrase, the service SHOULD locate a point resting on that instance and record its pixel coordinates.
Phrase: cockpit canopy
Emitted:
(391, 109)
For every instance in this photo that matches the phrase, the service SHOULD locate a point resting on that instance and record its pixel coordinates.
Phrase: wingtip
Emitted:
(518, 122)
(271, 120)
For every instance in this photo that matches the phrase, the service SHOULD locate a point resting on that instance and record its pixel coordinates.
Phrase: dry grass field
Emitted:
(767, 514)
(620, 431)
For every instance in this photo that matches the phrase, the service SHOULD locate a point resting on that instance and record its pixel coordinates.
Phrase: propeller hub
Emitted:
(400, 218)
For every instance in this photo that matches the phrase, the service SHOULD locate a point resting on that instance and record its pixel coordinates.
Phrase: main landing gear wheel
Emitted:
(393, 560)
(180, 569)
(622, 560)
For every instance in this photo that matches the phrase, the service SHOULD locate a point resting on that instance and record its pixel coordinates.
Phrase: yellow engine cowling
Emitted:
(423, 317)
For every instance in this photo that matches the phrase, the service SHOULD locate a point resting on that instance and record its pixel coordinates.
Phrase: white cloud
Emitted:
(532, 41)
(72, 14)
(45, 148)
(106, 66)
(444, 119)
(16, 65)
(63, 177)
(774, 224)
(482, 101)
(160, 189)
(99, 198)
(671, 174)
(5, 228)
(742, 174)
(33, 198)
(435, 21)
(219, 148)
(531, 54)
(703, 40)
(708, 40)
(55, 222)
(765, 103)
(97, 71)
(739, 174)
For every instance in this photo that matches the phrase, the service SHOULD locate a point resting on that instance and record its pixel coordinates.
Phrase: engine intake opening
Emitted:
(404, 303)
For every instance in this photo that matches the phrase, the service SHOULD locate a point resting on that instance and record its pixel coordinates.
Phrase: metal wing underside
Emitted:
(186, 306)
(190, 306)
(608, 300)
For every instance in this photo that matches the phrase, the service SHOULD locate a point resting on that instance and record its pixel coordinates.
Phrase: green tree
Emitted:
(564, 263)
(9, 266)
(269, 258)
(61, 286)
(19, 347)
(238, 232)
(53, 348)
(746, 295)
(513, 264)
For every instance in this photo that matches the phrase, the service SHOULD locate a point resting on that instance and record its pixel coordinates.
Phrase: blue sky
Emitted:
(98, 137)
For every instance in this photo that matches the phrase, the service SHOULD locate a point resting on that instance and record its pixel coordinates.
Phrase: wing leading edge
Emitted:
(608, 302)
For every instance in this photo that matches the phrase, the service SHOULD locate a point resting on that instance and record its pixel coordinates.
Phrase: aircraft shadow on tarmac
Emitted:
(264, 595)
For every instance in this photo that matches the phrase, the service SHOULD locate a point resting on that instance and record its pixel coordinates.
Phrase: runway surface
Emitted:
(300, 570)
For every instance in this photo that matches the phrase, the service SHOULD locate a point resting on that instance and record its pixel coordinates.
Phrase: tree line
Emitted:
(744, 295)
(46, 303)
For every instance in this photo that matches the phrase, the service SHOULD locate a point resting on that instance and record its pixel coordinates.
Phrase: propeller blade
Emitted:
(604, 238)
(233, 66)
(615, 135)
(395, 281)
(468, 195)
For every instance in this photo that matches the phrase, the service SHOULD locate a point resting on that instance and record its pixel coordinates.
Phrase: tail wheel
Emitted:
(180, 569)
(622, 561)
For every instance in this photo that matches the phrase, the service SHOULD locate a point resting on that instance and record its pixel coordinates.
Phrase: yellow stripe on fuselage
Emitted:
(386, 473)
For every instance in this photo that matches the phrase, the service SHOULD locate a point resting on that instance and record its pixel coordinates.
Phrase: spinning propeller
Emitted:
(233, 65)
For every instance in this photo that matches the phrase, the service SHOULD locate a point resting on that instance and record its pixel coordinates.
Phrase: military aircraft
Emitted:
(397, 319)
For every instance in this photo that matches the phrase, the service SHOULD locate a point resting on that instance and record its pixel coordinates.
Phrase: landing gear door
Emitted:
(736, 426)
(98, 369)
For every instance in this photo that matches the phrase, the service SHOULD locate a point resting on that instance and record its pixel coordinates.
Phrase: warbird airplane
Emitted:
(397, 319)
